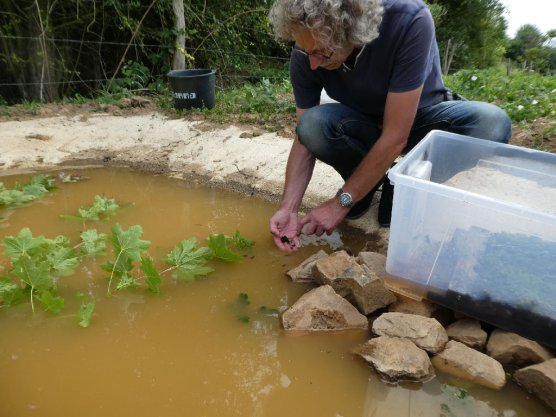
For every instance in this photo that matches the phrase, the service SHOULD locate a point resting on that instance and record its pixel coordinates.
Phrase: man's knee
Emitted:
(493, 124)
(308, 125)
(311, 130)
(500, 124)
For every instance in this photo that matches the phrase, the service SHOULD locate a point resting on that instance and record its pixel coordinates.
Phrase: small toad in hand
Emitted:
(287, 241)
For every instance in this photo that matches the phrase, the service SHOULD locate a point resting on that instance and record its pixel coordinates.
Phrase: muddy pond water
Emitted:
(211, 347)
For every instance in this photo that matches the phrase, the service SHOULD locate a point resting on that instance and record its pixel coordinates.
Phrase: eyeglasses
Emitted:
(319, 55)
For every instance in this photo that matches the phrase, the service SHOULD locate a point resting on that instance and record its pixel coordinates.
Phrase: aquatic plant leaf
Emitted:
(46, 181)
(241, 242)
(86, 310)
(36, 274)
(34, 190)
(217, 243)
(37, 187)
(127, 281)
(189, 260)
(187, 252)
(14, 198)
(128, 247)
(122, 266)
(22, 245)
(6, 286)
(62, 260)
(128, 243)
(10, 292)
(152, 276)
(94, 243)
(51, 302)
(58, 241)
(189, 272)
(102, 208)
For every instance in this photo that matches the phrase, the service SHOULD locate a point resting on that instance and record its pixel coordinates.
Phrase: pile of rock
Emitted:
(410, 339)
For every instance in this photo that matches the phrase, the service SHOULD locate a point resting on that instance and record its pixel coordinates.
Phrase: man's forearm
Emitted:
(299, 171)
(399, 115)
(373, 167)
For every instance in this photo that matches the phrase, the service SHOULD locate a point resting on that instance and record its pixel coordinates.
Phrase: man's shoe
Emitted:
(385, 205)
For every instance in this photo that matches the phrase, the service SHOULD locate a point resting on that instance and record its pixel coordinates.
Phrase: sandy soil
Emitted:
(242, 159)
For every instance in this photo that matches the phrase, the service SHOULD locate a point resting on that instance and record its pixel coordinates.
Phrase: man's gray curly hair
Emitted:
(334, 23)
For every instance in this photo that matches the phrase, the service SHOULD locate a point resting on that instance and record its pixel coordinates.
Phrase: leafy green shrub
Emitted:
(523, 95)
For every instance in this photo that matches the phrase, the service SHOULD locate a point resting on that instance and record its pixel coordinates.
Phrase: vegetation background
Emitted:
(102, 50)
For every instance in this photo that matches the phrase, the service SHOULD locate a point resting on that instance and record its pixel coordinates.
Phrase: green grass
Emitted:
(524, 96)
(264, 99)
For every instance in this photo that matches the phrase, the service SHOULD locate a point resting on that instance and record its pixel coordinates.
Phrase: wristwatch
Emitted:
(344, 199)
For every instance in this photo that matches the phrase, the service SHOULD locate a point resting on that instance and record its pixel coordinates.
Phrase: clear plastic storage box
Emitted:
(474, 229)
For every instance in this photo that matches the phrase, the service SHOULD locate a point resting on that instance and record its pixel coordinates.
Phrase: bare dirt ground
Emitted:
(248, 158)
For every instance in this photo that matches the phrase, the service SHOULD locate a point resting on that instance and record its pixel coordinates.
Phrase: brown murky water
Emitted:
(185, 352)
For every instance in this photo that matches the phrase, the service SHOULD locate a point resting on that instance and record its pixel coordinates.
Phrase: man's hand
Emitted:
(285, 229)
(324, 218)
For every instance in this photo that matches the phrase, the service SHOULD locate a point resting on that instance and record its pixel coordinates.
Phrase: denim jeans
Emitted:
(340, 136)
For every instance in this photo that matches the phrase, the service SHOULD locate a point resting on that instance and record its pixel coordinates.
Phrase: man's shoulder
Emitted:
(403, 7)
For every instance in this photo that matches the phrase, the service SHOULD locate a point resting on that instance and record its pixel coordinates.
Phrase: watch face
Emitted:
(345, 200)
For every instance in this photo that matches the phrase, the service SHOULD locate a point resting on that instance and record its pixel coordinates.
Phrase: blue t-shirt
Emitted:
(403, 57)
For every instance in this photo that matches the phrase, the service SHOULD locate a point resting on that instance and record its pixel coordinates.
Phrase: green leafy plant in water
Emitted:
(128, 248)
(93, 243)
(240, 242)
(37, 262)
(241, 308)
(219, 246)
(21, 194)
(86, 309)
(189, 261)
(101, 209)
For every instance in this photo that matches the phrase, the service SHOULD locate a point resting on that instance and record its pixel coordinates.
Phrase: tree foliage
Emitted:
(54, 48)
(58, 48)
(472, 32)
(533, 49)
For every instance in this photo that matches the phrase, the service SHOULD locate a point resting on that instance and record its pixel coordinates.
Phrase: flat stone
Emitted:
(513, 350)
(426, 333)
(356, 283)
(467, 363)
(540, 380)
(303, 273)
(323, 309)
(375, 261)
(468, 332)
(396, 359)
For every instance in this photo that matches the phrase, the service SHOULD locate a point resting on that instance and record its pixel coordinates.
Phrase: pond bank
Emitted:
(231, 157)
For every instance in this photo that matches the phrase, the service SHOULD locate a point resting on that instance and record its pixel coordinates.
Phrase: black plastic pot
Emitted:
(193, 88)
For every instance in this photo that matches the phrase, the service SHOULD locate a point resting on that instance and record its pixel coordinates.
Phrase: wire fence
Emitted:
(226, 76)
